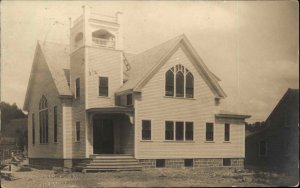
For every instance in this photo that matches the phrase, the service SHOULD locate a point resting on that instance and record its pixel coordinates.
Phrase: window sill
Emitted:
(146, 140)
(209, 142)
(179, 141)
(43, 143)
(106, 97)
(226, 141)
(76, 141)
(55, 142)
(170, 97)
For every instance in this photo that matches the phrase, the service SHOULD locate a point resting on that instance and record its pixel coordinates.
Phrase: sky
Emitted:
(252, 46)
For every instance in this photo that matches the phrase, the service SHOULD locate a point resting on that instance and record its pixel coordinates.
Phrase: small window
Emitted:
(188, 162)
(129, 100)
(33, 129)
(77, 88)
(189, 131)
(103, 86)
(179, 130)
(227, 132)
(146, 130)
(160, 163)
(209, 131)
(55, 123)
(262, 148)
(77, 131)
(169, 130)
(226, 162)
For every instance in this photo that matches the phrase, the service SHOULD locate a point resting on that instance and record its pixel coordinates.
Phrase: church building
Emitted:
(92, 106)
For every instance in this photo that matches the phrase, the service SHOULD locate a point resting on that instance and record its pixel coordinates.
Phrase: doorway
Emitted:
(103, 136)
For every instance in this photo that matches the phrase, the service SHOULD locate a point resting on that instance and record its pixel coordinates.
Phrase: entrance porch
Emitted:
(111, 131)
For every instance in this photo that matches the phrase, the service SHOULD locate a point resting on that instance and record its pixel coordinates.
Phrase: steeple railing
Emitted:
(98, 42)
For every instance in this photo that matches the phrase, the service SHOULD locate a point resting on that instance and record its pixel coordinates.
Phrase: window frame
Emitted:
(55, 125)
(33, 128)
(227, 132)
(207, 132)
(173, 131)
(178, 70)
(185, 132)
(188, 163)
(169, 88)
(77, 131)
(130, 96)
(43, 120)
(77, 88)
(160, 163)
(103, 91)
(189, 88)
(226, 161)
(143, 132)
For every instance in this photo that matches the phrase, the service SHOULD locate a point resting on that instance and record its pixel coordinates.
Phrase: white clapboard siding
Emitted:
(105, 63)
(44, 85)
(78, 109)
(154, 106)
(67, 129)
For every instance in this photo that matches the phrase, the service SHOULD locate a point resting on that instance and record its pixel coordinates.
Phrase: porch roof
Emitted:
(111, 110)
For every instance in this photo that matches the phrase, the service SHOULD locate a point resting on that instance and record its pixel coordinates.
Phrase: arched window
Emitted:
(183, 82)
(43, 117)
(189, 85)
(170, 83)
(179, 84)
(103, 38)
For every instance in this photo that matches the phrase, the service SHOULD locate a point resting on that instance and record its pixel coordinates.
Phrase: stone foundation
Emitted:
(197, 163)
(46, 163)
(49, 163)
(147, 163)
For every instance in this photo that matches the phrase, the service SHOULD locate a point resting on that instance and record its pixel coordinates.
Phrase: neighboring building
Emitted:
(161, 106)
(277, 145)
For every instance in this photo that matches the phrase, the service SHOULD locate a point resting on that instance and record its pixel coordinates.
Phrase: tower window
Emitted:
(103, 86)
(77, 88)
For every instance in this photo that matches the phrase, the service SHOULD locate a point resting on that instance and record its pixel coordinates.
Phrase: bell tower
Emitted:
(96, 44)
(96, 29)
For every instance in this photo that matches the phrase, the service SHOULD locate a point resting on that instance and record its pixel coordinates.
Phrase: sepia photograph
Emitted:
(149, 93)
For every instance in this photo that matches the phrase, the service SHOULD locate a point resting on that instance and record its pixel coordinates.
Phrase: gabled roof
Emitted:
(144, 65)
(57, 60)
(291, 95)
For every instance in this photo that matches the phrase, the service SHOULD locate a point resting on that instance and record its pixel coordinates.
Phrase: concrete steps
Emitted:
(98, 163)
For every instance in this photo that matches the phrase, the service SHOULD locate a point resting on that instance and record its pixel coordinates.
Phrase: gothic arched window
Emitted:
(43, 117)
(179, 80)
(179, 84)
(189, 85)
(170, 83)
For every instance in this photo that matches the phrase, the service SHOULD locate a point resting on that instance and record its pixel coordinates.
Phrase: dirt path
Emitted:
(149, 178)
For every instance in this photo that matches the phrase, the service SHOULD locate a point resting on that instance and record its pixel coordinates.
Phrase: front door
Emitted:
(103, 136)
